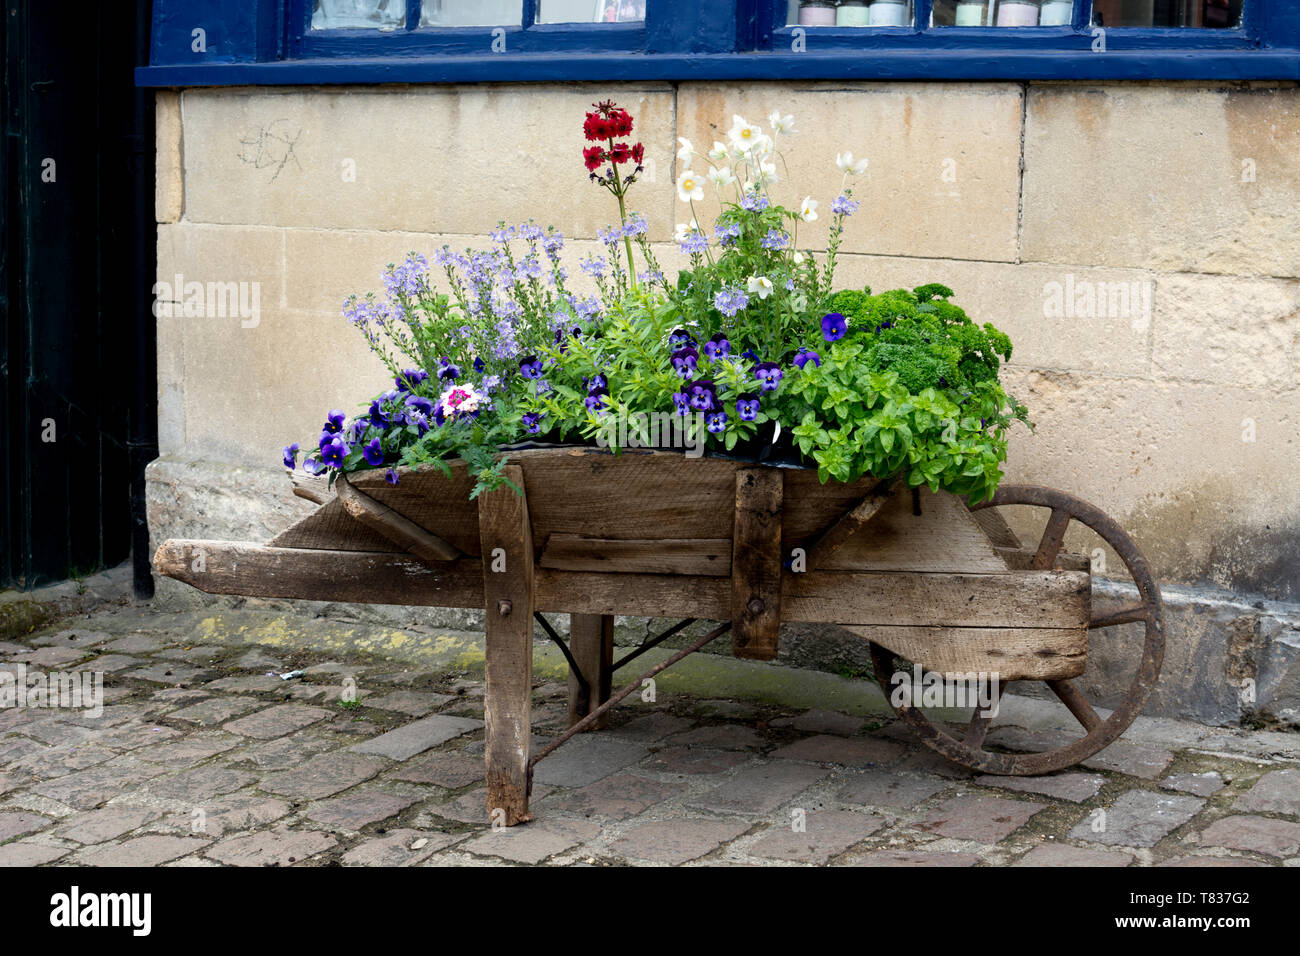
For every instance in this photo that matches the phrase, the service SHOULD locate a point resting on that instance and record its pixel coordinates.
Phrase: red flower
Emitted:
(638, 154)
(607, 122)
(593, 156)
(620, 153)
(622, 122)
(597, 128)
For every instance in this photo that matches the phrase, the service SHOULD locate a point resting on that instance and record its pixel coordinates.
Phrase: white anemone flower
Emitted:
(685, 230)
(743, 134)
(781, 125)
(846, 164)
(760, 286)
(766, 174)
(689, 187)
(808, 209)
(687, 150)
(719, 152)
(721, 176)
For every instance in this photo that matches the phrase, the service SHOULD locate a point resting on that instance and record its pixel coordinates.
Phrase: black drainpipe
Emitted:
(142, 435)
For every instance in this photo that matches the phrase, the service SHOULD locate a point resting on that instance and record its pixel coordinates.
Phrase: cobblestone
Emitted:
(242, 770)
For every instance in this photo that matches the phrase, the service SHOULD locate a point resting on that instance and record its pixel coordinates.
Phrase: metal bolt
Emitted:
(504, 608)
(756, 606)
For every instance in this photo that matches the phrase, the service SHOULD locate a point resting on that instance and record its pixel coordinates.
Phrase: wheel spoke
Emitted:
(1053, 539)
(979, 723)
(1126, 615)
(979, 726)
(1078, 705)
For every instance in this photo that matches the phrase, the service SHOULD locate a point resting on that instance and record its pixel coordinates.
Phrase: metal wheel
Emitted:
(1098, 732)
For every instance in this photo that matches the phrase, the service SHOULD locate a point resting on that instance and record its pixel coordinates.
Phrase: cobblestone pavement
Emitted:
(205, 756)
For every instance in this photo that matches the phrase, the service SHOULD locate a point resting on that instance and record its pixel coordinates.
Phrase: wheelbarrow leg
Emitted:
(591, 641)
(507, 542)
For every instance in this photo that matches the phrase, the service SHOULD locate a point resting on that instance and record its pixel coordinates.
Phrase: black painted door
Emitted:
(77, 261)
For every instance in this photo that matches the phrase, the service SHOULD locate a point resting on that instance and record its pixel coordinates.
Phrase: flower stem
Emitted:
(622, 217)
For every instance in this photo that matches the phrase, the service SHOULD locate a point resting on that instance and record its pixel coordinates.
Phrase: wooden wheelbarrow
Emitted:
(924, 579)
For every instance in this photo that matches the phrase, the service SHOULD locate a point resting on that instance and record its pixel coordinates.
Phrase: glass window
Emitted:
(849, 13)
(359, 14)
(471, 13)
(590, 11)
(1003, 13)
(1212, 14)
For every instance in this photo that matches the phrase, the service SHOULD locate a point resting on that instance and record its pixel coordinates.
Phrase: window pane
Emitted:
(849, 13)
(471, 13)
(1003, 13)
(1167, 13)
(359, 14)
(590, 11)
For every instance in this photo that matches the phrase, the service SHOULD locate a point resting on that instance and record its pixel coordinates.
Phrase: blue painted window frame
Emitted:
(269, 42)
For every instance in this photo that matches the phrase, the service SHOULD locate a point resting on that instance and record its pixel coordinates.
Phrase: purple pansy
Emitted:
(291, 456)
(747, 407)
(834, 325)
(390, 476)
(410, 378)
(532, 422)
(680, 339)
(334, 421)
(685, 360)
(769, 375)
(334, 451)
(596, 398)
(530, 366)
(716, 422)
(717, 347)
(373, 452)
(805, 356)
(682, 401)
(703, 395)
(447, 371)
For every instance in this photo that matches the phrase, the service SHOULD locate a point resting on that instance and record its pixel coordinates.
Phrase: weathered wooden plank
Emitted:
(756, 564)
(645, 595)
(1011, 599)
(505, 537)
(996, 527)
(1022, 559)
(398, 529)
(312, 487)
(634, 495)
(849, 524)
(362, 577)
(331, 528)
(901, 598)
(572, 552)
(1012, 653)
(439, 504)
(943, 537)
(591, 642)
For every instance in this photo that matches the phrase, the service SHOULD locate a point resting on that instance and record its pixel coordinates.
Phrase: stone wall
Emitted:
(1180, 415)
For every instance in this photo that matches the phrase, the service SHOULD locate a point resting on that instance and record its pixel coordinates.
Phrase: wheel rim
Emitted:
(1099, 732)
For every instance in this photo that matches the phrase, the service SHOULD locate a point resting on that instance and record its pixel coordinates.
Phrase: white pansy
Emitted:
(743, 134)
(760, 286)
(687, 150)
(719, 152)
(781, 125)
(808, 209)
(689, 187)
(721, 176)
(846, 164)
